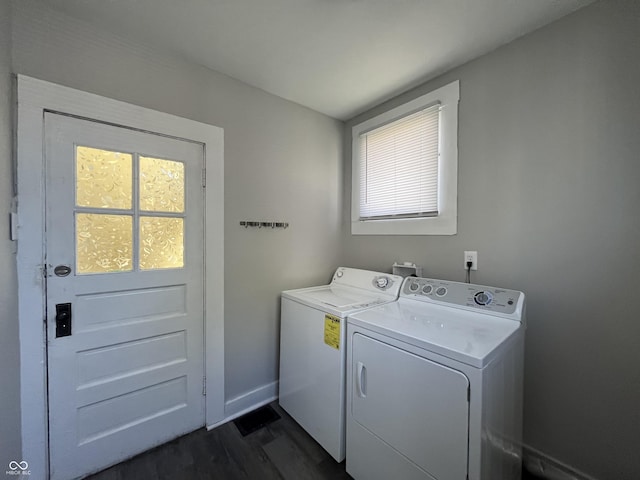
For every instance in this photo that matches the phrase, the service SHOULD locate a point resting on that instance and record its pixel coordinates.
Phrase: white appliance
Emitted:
(312, 349)
(434, 384)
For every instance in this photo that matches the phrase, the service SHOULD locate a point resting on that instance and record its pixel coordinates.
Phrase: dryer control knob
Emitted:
(414, 287)
(382, 282)
(483, 298)
(441, 291)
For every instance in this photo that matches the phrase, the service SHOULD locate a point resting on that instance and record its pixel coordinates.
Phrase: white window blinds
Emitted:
(399, 167)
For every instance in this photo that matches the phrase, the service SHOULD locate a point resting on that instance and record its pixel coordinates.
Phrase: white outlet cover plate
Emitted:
(473, 255)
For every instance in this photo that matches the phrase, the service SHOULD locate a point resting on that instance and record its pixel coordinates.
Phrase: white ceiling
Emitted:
(339, 57)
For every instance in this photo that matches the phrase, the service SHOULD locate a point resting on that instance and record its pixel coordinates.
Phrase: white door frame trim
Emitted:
(35, 97)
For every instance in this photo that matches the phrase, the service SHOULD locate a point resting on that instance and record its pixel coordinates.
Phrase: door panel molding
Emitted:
(35, 97)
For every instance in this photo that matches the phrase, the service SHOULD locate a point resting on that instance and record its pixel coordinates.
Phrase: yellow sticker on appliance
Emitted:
(332, 331)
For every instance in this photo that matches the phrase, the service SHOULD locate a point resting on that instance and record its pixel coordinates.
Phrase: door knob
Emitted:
(62, 270)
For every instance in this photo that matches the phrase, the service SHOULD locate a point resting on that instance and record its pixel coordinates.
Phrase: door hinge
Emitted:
(13, 226)
(204, 386)
(13, 220)
(204, 177)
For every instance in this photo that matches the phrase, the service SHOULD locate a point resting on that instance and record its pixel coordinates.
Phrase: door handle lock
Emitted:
(63, 320)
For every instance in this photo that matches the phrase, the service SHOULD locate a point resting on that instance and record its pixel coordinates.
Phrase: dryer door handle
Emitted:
(361, 379)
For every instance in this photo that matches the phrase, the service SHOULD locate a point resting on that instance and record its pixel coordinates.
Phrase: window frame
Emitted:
(445, 223)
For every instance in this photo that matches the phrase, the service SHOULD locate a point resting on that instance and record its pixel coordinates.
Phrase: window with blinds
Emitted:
(399, 167)
(404, 177)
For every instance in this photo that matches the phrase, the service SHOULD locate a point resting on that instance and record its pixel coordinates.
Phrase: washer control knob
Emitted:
(483, 298)
(339, 273)
(414, 287)
(441, 291)
(427, 289)
(382, 282)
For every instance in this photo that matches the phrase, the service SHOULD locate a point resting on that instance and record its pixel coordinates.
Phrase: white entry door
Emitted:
(124, 256)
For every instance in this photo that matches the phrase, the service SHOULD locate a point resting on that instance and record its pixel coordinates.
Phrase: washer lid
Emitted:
(336, 299)
(469, 337)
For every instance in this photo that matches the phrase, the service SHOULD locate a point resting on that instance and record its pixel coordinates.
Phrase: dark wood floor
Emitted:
(280, 450)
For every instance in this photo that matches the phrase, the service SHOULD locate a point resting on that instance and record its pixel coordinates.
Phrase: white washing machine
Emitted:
(312, 349)
(434, 384)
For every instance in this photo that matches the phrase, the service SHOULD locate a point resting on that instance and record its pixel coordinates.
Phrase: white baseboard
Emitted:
(549, 468)
(238, 406)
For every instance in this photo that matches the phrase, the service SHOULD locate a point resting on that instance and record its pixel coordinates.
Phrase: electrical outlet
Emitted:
(470, 256)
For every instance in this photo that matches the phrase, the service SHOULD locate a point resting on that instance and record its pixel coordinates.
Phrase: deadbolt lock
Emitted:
(63, 320)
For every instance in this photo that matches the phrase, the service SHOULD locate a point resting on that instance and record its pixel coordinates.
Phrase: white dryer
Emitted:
(434, 384)
(312, 349)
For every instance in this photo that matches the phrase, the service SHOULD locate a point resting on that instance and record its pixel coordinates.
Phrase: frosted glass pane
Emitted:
(104, 243)
(103, 178)
(161, 185)
(161, 242)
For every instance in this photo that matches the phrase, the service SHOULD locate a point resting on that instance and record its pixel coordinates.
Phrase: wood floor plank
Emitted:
(329, 469)
(249, 457)
(112, 473)
(173, 459)
(288, 426)
(290, 460)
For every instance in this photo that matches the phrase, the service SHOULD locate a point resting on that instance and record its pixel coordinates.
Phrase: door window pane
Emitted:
(103, 178)
(161, 185)
(161, 242)
(104, 243)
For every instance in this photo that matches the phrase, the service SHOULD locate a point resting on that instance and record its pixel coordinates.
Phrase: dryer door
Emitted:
(416, 406)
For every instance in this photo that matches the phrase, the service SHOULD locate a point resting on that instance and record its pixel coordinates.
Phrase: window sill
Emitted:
(441, 225)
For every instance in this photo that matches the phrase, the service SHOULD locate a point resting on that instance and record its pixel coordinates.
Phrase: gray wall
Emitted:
(9, 355)
(549, 189)
(282, 162)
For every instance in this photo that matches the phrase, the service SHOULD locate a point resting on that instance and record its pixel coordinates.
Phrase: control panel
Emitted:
(368, 280)
(463, 295)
